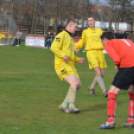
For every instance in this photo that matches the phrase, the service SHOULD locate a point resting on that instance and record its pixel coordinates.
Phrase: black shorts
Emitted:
(124, 78)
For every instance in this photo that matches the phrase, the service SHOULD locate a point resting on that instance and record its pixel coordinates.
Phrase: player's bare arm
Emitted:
(81, 60)
(66, 59)
(76, 49)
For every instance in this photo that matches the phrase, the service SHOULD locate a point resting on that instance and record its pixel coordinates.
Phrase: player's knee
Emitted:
(78, 86)
(102, 75)
(75, 84)
(131, 89)
(114, 90)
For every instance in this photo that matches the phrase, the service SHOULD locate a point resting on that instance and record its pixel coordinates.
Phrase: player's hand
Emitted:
(66, 59)
(117, 67)
(81, 60)
(76, 49)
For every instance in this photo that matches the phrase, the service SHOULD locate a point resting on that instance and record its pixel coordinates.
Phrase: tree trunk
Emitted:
(133, 26)
(111, 18)
(34, 19)
(85, 14)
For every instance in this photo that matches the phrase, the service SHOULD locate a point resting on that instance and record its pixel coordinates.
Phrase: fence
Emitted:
(26, 29)
(7, 33)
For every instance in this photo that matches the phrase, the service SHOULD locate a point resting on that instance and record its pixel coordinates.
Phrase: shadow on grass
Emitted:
(111, 130)
(98, 106)
(95, 107)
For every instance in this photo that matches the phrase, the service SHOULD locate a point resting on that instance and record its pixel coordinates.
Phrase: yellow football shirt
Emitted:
(63, 45)
(91, 39)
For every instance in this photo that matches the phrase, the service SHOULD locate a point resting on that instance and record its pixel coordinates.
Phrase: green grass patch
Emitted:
(30, 93)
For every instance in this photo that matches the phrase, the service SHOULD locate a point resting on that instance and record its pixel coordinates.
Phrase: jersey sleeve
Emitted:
(82, 41)
(101, 31)
(111, 52)
(57, 45)
(76, 59)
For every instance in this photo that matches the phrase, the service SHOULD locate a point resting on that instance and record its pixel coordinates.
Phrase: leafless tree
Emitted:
(119, 10)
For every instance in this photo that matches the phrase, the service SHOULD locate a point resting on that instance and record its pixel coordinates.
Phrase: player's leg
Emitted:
(91, 56)
(91, 88)
(130, 121)
(92, 61)
(69, 74)
(74, 86)
(79, 84)
(96, 61)
(69, 100)
(102, 65)
(111, 106)
(70, 79)
(117, 84)
(103, 86)
(99, 79)
(123, 79)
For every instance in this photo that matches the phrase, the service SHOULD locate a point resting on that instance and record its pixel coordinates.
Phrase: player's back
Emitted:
(124, 48)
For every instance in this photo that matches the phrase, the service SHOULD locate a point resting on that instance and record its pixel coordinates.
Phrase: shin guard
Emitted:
(131, 108)
(111, 105)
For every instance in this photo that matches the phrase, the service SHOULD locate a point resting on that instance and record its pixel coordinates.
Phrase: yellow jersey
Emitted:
(91, 39)
(63, 45)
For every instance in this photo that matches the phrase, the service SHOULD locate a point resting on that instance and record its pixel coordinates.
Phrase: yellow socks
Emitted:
(70, 98)
(66, 101)
(72, 95)
(65, 104)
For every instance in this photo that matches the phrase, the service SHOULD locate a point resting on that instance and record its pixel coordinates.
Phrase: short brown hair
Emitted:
(92, 16)
(108, 35)
(71, 21)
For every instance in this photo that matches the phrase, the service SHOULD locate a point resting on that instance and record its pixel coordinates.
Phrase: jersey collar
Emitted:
(68, 32)
(91, 28)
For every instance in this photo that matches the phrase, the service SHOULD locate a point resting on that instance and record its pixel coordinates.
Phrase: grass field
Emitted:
(30, 93)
